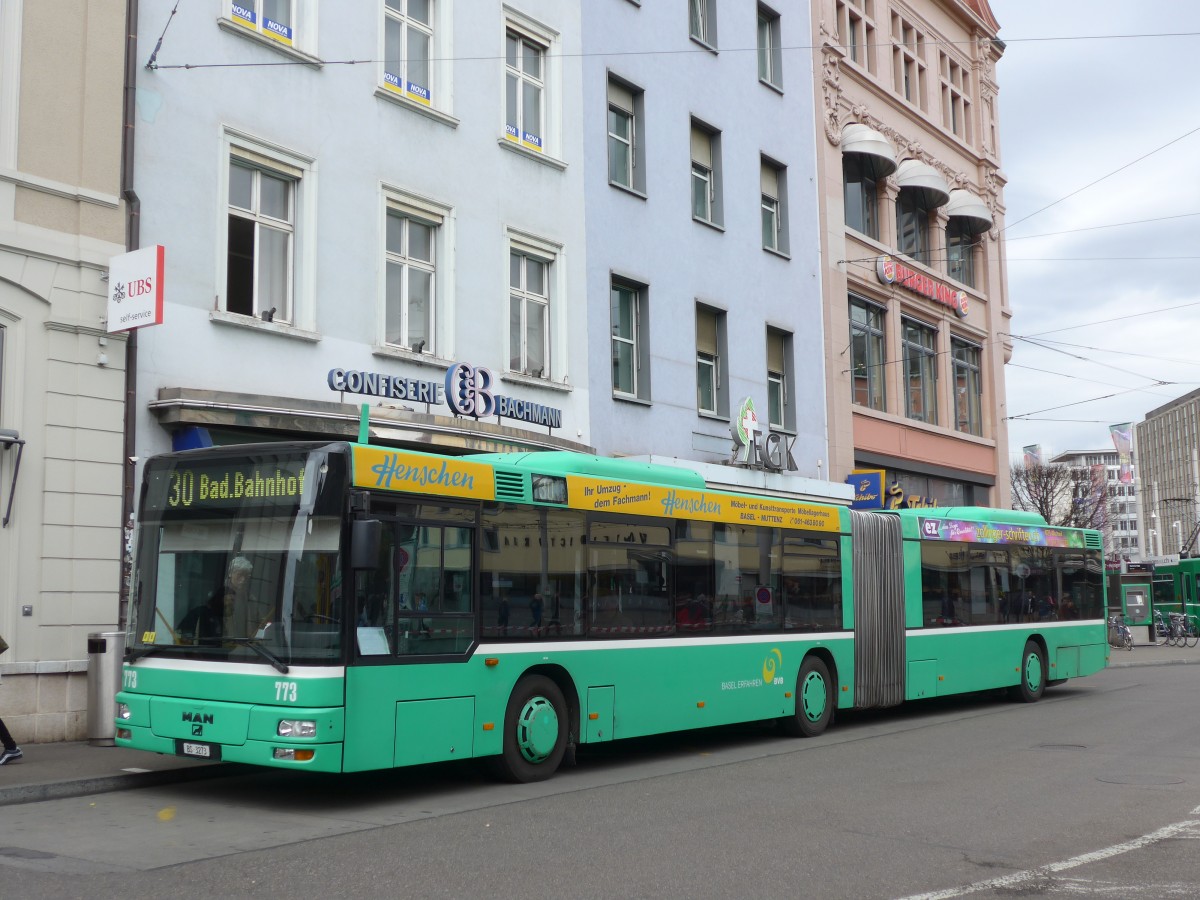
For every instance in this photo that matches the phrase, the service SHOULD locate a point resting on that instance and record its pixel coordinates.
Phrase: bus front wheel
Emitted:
(1033, 674)
(535, 731)
(815, 698)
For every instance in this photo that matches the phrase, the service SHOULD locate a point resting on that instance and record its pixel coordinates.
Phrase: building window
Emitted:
(710, 392)
(287, 22)
(920, 371)
(529, 313)
(857, 28)
(773, 184)
(860, 192)
(867, 355)
(410, 302)
(626, 156)
(779, 395)
(908, 61)
(702, 21)
(407, 49)
(627, 313)
(956, 97)
(525, 87)
(960, 251)
(770, 53)
(912, 225)
(706, 174)
(260, 237)
(968, 387)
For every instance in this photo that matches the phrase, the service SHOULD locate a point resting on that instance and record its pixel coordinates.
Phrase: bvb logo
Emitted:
(771, 665)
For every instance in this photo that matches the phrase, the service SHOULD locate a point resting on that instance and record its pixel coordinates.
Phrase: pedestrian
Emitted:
(11, 751)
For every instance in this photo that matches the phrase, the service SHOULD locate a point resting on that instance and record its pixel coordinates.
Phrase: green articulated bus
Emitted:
(340, 607)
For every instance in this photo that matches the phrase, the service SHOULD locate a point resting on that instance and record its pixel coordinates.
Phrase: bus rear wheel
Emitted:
(535, 732)
(815, 698)
(1033, 674)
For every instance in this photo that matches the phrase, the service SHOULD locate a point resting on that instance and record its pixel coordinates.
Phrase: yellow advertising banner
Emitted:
(392, 470)
(675, 503)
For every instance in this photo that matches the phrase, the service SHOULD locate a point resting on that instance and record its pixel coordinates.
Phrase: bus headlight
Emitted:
(122, 710)
(297, 728)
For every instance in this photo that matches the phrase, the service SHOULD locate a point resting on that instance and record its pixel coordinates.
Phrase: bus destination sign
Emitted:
(232, 484)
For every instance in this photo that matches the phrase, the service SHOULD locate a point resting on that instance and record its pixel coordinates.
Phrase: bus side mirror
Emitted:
(365, 537)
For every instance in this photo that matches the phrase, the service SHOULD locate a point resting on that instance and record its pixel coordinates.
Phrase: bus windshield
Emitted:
(239, 556)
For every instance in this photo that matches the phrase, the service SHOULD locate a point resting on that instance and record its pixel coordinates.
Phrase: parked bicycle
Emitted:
(1119, 634)
(1176, 629)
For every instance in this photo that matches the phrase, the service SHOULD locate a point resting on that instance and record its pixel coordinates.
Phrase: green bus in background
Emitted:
(342, 607)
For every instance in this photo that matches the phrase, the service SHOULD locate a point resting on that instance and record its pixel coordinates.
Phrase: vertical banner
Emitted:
(1033, 455)
(1122, 438)
(1099, 492)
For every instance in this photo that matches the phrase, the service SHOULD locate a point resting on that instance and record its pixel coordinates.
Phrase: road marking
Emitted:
(1009, 881)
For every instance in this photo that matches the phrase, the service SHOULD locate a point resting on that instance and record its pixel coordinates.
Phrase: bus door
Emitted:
(879, 652)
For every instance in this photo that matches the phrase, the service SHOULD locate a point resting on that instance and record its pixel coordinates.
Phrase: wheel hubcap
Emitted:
(813, 697)
(537, 729)
(1033, 671)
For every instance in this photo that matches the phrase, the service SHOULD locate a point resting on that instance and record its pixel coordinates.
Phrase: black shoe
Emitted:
(10, 756)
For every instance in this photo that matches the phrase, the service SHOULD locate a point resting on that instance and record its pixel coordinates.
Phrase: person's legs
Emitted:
(11, 750)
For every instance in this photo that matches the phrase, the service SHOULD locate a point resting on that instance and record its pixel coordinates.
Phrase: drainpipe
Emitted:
(133, 208)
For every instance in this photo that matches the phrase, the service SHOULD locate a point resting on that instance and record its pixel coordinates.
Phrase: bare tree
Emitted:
(1064, 495)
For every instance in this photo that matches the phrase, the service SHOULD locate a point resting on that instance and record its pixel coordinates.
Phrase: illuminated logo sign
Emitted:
(892, 272)
(466, 389)
(135, 289)
(756, 448)
(868, 488)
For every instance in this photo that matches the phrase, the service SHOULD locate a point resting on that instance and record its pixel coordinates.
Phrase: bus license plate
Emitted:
(200, 751)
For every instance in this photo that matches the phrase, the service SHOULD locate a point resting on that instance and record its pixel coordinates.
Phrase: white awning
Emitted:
(974, 211)
(915, 175)
(871, 144)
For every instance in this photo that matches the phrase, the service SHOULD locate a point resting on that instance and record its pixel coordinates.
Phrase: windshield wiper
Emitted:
(255, 644)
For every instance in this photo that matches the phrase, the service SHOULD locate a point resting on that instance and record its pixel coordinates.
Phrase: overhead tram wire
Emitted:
(152, 64)
(1159, 358)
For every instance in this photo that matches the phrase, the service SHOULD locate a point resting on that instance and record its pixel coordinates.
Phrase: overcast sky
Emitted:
(1079, 273)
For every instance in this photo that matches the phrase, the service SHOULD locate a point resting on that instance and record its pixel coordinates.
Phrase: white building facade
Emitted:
(704, 271)
(1122, 511)
(339, 234)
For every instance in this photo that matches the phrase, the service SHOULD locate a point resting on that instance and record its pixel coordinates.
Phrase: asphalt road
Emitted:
(1094, 791)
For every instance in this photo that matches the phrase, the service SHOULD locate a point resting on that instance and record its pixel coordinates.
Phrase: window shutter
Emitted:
(702, 147)
(261, 161)
(620, 96)
(770, 181)
(706, 332)
(775, 352)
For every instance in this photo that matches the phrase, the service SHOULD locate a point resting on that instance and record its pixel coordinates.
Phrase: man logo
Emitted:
(197, 730)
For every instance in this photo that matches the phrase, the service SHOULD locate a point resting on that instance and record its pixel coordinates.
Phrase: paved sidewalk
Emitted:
(76, 769)
(1147, 654)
